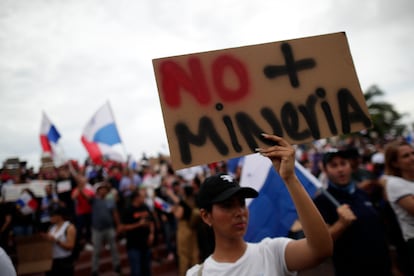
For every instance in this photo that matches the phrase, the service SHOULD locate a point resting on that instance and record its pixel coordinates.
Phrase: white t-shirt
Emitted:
(397, 188)
(60, 234)
(6, 265)
(264, 258)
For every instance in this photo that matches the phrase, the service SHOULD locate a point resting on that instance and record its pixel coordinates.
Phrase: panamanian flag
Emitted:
(272, 213)
(49, 135)
(50, 141)
(26, 203)
(162, 205)
(101, 137)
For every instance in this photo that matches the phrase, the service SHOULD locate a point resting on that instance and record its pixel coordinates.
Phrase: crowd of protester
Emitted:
(150, 204)
(108, 204)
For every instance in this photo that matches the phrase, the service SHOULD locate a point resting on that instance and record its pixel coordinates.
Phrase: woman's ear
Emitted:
(205, 216)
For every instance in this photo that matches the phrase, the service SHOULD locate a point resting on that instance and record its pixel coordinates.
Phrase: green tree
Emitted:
(384, 117)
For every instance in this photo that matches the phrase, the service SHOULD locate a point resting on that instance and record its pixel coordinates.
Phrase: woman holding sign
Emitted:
(222, 206)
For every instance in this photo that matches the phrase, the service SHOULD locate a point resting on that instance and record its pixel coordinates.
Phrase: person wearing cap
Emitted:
(105, 219)
(222, 206)
(399, 190)
(360, 246)
(378, 159)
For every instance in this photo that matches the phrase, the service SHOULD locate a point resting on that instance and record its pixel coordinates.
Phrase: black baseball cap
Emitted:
(58, 211)
(332, 153)
(220, 187)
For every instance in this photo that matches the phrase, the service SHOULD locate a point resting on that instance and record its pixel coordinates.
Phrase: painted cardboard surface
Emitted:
(215, 104)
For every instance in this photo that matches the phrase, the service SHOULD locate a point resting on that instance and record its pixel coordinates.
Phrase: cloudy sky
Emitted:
(67, 58)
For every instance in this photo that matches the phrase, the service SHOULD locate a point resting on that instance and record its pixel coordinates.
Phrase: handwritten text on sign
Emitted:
(216, 104)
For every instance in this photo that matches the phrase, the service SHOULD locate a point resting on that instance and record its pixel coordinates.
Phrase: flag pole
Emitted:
(318, 184)
(330, 197)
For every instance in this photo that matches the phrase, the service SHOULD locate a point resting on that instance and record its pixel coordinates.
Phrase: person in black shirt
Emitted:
(6, 214)
(360, 246)
(138, 223)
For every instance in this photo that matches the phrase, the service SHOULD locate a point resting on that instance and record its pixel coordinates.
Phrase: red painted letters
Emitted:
(176, 79)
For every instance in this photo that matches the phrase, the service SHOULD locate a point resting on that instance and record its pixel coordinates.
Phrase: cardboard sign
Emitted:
(63, 186)
(12, 192)
(34, 254)
(216, 104)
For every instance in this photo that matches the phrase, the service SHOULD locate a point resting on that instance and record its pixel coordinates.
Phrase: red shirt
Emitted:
(82, 204)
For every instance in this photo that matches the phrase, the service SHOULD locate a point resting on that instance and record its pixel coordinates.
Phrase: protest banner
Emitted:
(12, 192)
(217, 104)
(63, 186)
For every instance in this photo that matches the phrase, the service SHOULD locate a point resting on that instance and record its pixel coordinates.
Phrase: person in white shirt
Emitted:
(6, 265)
(63, 234)
(399, 191)
(222, 206)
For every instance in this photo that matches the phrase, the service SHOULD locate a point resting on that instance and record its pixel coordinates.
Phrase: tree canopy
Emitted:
(385, 118)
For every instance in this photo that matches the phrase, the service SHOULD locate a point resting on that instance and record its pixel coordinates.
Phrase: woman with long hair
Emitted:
(399, 191)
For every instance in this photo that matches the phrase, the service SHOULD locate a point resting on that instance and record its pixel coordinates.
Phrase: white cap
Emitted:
(378, 158)
(99, 185)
